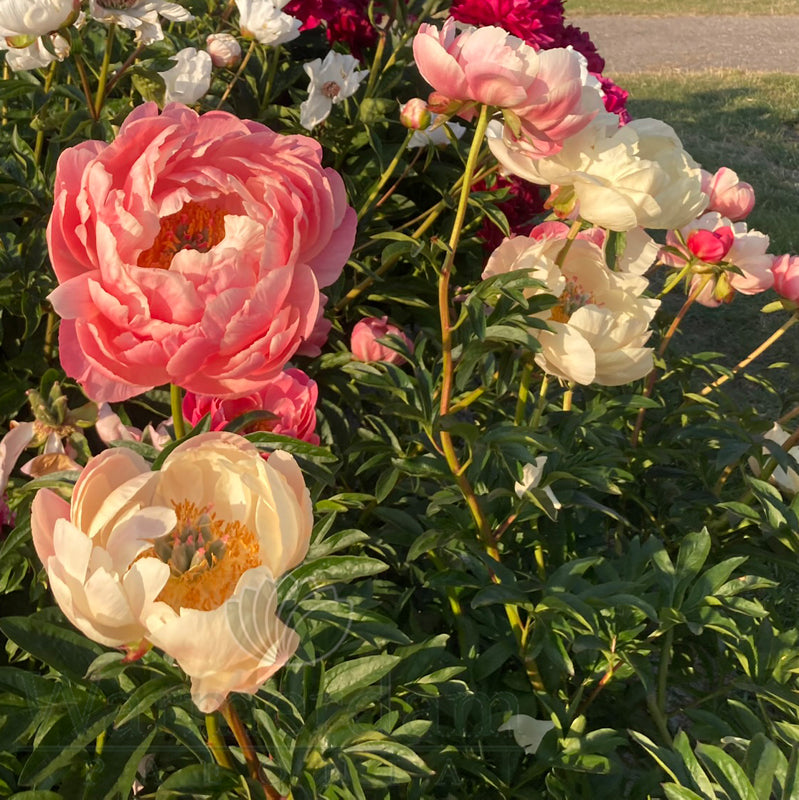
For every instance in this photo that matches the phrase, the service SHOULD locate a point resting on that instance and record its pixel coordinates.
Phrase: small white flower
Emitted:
(332, 80)
(436, 135)
(527, 731)
(531, 477)
(29, 19)
(264, 21)
(139, 15)
(189, 79)
(37, 55)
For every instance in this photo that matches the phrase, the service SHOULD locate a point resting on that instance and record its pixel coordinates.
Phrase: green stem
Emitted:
(176, 399)
(373, 71)
(570, 237)
(387, 173)
(524, 391)
(542, 401)
(567, 397)
(751, 357)
(273, 59)
(84, 82)
(99, 97)
(663, 669)
(247, 749)
(239, 72)
(39, 145)
(216, 743)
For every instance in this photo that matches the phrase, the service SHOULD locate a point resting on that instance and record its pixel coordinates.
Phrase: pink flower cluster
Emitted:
(191, 251)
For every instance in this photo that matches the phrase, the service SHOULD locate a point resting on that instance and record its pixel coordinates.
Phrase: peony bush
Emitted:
(351, 446)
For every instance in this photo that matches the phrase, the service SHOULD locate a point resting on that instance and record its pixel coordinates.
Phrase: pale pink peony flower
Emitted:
(185, 558)
(731, 197)
(786, 277)
(110, 428)
(291, 398)
(544, 94)
(713, 244)
(224, 49)
(191, 251)
(600, 324)
(365, 341)
(415, 114)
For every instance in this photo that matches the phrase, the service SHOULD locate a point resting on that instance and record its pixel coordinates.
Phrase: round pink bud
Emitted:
(786, 277)
(224, 49)
(415, 114)
(365, 344)
(711, 246)
(731, 197)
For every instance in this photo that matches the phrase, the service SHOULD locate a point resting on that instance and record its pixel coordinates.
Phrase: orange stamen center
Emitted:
(573, 297)
(206, 556)
(194, 227)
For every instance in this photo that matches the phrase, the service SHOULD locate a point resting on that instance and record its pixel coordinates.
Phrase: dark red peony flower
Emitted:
(345, 21)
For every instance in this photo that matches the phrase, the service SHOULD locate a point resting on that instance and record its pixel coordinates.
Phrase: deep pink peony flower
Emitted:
(345, 21)
(291, 397)
(365, 345)
(191, 251)
(615, 98)
(531, 20)
(710, 246)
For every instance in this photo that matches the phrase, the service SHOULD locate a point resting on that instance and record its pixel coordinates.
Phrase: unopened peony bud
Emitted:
(224, 49)
(365, 345)
(786, 277)
(415, 114)
(731, 197)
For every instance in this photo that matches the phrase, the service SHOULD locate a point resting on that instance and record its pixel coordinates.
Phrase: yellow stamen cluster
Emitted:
(572, 298)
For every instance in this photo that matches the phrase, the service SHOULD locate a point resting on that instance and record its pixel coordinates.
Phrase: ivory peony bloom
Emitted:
(224, 49)
(185, 558)
(264, 21)
(544, 94)
(36, 55)
(191, 251)
(22, 21)
(190, 78)
(620, 178)
(600, 324)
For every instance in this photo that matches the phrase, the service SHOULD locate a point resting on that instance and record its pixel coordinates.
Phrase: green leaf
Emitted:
(332, 569)
(727, 772)
(63, 649)
(198, 780)
(392, 753)
(349, 676)
(698, 775)
(145, 695)
(676, 792)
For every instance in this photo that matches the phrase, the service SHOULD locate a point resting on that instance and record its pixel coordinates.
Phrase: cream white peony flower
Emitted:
(189, 79)
(598, 328)
(786, 480)
(139, 15)
(224, 49)
(531, 477)
(185, 558)
(21, 21)
(264, 21)
(36, 55)
(332, 80)
(620, 178)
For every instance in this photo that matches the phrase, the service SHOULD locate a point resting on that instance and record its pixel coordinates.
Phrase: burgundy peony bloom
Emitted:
(345, 21)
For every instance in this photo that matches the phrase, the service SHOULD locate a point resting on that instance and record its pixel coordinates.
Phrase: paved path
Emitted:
(643, 44)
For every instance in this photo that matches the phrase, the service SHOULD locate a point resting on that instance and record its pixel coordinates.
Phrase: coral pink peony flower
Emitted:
(191, 251)
(545, 90)
(185, 557)
(786, 277)
(291, 398)
(365, 344)
(731, 197)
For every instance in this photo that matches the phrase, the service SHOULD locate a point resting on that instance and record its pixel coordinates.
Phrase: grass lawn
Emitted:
(749, 122)
(666, 8)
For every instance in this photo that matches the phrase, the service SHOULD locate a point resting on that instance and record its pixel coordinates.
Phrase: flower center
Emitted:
(331, 89)
(573, 297)
(206, 556)
(194, 227)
